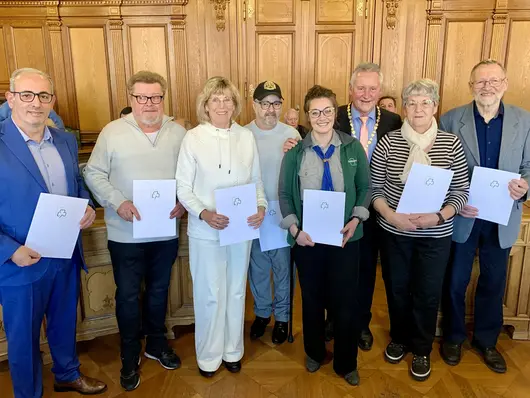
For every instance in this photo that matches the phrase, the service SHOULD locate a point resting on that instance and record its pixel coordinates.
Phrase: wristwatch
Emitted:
(441, 219)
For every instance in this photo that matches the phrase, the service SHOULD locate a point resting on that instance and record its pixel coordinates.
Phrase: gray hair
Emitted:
(426, 87)
(486, 62)
(28, 71)
(366, 67)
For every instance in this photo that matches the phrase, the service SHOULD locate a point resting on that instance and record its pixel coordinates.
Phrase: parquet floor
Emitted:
(271, 371)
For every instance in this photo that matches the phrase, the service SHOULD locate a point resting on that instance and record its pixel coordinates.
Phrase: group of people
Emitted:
(361, 148)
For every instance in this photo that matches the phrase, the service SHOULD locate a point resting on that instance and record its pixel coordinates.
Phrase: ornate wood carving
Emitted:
(391, 13)
(500, 30)
(220, 8)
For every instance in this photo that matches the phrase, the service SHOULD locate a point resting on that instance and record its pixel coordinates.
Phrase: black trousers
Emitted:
(329, 272)
(413, 272)
(369, 248)
(134, 263)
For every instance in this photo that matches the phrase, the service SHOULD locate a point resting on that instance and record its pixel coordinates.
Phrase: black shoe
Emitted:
(451, 353)
(129, 375)
(492, 358)
(206, 374)
(421, 368)
(366, 340)
(329, 332)
(258, 327)
(167, 358)
(233, 367)
(395, 352)
(279, 333)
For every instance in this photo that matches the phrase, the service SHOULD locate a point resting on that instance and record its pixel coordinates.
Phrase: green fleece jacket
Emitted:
(356, 173)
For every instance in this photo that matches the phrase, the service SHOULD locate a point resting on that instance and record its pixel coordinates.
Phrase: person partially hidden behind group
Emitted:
(389, 103)
(329, 160)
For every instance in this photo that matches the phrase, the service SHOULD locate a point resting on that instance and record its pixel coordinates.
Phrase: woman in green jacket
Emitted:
(329, 160)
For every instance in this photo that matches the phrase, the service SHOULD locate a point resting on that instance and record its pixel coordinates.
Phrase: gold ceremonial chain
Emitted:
(374, 131)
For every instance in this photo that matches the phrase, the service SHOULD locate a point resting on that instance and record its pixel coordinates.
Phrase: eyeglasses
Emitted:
(423, 104)
(315, 113)
(265, 105)
(142, 99)
(217, 101)
(493, 83)
(29, 96)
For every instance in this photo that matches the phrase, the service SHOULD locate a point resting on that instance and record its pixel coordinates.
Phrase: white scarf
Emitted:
(418, 144)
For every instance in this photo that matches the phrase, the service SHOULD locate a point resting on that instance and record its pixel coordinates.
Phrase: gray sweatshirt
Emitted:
(123, 153)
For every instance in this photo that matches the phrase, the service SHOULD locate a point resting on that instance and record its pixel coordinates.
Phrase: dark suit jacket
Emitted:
(389, 122)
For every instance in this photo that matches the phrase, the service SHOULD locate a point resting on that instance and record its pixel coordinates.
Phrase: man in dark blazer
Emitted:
(365, 90)
(494, 135)
(366, 121)
(36, 159)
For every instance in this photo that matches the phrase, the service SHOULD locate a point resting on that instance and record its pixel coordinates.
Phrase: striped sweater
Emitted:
(388, 162)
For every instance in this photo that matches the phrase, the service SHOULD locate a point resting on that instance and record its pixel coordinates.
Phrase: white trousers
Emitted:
(219, 277)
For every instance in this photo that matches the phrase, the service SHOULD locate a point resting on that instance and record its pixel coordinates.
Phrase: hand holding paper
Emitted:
(256, 220)
(518, 188)
(25, 257)
(490, 194)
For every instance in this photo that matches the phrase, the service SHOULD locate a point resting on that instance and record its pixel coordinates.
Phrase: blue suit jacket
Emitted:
(21, 185)
(514, 157)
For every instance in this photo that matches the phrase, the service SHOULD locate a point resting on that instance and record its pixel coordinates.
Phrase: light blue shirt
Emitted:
(49, 161)
(370, 123)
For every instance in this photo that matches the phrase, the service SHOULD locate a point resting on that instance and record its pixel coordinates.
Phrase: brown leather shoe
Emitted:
(83, 385)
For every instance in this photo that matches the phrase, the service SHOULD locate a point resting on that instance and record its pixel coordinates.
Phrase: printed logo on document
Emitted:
(61, 213)
(155, 195)
(237, 201)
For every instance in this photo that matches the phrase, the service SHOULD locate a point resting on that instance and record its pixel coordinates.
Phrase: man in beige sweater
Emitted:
(143, 145)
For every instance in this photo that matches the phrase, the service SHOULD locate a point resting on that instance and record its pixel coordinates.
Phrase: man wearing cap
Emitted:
(270, 134)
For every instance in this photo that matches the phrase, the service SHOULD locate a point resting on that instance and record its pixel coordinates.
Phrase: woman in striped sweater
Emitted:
(415, 247)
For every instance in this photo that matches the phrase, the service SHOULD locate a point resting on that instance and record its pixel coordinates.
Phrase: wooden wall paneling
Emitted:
(400, 51)
(335, 62)
(179, 70)
(272, 41)
(118, 79)
(434, 48)
(337, 12)
(58, 71)
(500, 31)
(4, 67)
(196, 46)
(148, 49)
(513, 278)
(517, 60)
(88, 49)
(465, 45)
(28, 43)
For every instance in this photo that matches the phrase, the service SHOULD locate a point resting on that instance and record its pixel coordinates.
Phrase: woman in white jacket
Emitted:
(218, 153)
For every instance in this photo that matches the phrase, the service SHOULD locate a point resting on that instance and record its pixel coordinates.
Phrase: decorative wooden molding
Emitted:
(434, 20)
(115, 24)
(501, 5)
(220, 8)
(54, 26)
(391, 13)
(74, 3)
(29, 3)
(179, 70)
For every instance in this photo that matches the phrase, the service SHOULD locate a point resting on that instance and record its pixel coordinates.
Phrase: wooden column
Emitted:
(434, 47)
(118, 80)
(500, 31)
(179, 83)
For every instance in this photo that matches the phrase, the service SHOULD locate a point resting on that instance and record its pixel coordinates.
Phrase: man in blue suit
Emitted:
(36, 159)
(494, 135)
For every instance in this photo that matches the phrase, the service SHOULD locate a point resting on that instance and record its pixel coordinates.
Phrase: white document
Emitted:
(489, 193)
(271, 236)
(237, 203)
(323, 217)
(154, 200)
(55, 226)
(425, 189)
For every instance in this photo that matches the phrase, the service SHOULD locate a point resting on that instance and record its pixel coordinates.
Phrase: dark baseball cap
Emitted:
(267, 88)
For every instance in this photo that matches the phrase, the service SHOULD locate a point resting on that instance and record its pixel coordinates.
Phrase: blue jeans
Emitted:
(261, 263)
(134, 263)
(490, 287)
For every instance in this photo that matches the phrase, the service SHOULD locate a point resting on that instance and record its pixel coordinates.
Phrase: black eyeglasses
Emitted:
(315, 113)
(29, 96)
(142, 99)
(265, 105)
